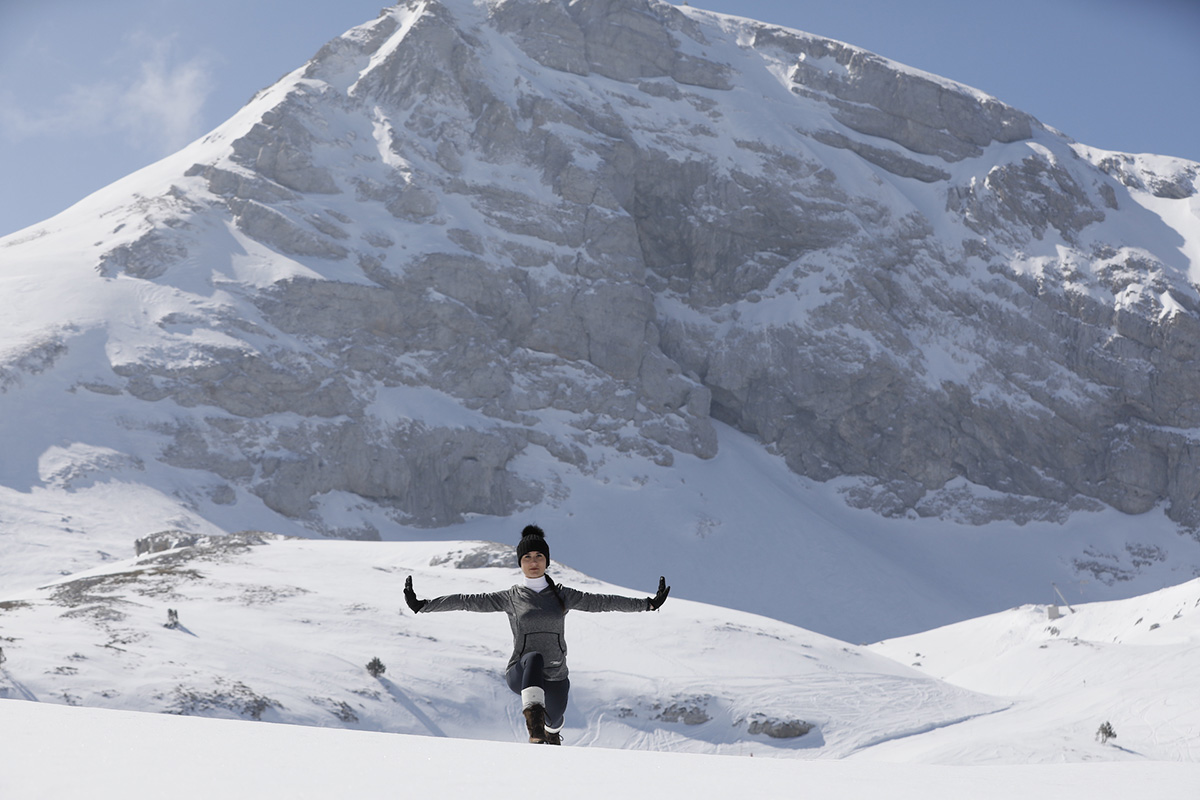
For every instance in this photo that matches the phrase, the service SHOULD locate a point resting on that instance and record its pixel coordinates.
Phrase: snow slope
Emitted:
(1129, 662)
(739, 530)
(279, 631)
(115, 754)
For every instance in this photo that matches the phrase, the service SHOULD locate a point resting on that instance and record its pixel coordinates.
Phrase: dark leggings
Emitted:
(529, 672)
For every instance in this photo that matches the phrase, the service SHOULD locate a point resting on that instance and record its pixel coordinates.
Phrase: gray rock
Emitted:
(778, 729)
(274, 229)
(873, 98)
(888, 159)
(229, 183)
(280, 148)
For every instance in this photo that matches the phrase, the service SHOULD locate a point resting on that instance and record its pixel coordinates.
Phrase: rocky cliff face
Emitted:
(466, 234)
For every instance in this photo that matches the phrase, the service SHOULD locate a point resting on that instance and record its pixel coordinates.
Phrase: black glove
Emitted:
(410, 597)
(652, 603)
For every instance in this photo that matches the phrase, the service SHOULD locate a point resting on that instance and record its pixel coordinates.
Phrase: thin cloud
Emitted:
(156, 102)
(166, 101)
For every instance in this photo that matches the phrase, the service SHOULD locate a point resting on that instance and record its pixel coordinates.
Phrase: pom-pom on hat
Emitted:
(533, 540)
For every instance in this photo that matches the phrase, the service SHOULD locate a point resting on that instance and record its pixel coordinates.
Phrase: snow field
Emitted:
(121, 755)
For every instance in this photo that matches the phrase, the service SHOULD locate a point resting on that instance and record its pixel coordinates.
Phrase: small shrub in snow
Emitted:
(1105, 733)
(376, 667)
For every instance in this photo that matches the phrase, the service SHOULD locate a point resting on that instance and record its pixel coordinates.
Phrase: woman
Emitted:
(537, 669)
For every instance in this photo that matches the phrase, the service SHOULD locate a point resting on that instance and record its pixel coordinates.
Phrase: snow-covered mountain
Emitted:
(847, 351)
(646, 274)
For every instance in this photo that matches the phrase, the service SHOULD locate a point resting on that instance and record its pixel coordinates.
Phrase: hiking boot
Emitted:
(553, 736)
(535, 723)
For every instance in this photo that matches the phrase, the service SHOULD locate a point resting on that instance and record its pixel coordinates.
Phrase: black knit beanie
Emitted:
(533, 540)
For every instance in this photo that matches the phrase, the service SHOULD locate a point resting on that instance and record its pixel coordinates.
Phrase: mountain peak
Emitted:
(474, 254)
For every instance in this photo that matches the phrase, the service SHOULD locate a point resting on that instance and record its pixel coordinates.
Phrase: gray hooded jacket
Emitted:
(537, 618)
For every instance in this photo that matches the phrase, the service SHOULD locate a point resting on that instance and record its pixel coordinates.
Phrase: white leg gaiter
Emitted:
(533, 696)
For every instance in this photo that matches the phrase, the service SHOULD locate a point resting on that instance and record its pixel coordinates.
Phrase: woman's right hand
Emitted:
(410, 596)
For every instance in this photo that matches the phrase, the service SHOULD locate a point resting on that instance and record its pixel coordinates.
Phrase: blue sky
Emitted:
(91, 91)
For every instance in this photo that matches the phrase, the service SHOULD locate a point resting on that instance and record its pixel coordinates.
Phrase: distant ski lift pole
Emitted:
(1060, 597)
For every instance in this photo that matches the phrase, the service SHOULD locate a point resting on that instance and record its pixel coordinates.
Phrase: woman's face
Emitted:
(533, 564)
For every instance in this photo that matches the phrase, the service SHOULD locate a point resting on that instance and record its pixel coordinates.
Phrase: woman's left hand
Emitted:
(653, 603)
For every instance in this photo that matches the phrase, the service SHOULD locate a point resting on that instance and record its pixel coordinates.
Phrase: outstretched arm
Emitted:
(494, 601)
(586, 601)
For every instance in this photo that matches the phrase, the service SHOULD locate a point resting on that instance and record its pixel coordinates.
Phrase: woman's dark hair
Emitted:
(557, 593)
